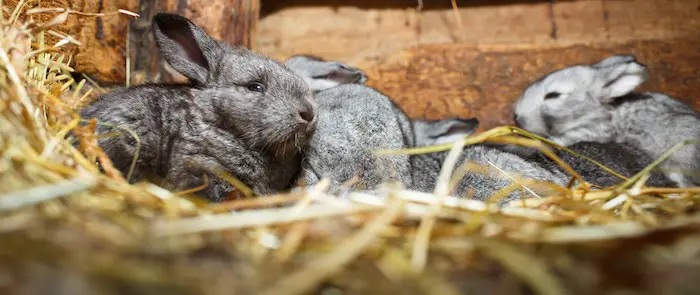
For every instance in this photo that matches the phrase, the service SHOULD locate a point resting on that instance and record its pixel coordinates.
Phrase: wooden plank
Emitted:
(102, 54)
(233, 21)
(440, 81)
(364, 30)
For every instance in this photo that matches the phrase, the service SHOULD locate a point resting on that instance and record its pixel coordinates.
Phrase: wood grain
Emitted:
(459, 80)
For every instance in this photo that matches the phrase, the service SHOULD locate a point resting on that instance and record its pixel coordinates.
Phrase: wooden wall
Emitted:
(358, 31)
(436, 67)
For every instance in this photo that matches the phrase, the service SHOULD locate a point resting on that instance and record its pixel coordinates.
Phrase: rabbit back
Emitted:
(623, 159)
(673, 122)
(426, 168)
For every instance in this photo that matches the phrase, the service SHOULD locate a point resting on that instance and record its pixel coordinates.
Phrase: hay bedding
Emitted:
(66, 228)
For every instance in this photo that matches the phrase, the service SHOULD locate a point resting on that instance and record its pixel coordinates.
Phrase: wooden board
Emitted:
(365, 30)
(103, 54)
(232, 21)
(440, 81)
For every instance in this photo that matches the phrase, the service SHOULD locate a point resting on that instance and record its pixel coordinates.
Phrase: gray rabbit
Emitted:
(621, 158)
(321, 74)
(597, 103)
(426, 167)
(243, 114)
(354, 121)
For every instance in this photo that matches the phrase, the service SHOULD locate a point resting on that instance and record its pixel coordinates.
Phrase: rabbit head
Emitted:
(321, 75)
(577, 99)
(254, 97)
(436, 132)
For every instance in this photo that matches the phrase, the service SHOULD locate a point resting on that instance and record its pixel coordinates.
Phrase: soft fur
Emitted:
(621, 158)
(426, 167)
(597, 103)
(354, 121)
(221, 122)
(321, 75)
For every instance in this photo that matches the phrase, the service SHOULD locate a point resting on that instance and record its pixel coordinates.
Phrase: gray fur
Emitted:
(426, 167)
(597, 103)
(321, 75)
(623, 159)
(437, 132)
(353, 122)
(220, 122)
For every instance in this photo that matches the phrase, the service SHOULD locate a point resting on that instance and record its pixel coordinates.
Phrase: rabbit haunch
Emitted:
(621, 158)
(354, 121)
(500, 166)
(243, 114)
(524, 162)
(597, 103)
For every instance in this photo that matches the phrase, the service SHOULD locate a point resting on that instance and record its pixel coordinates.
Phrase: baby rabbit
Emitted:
(353, 122)
(597, 103)
(243, 113)
(321, 75)
(621, 158)
(426, 167)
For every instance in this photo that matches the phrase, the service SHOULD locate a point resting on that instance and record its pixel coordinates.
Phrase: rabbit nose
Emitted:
(306, 116)
(515, 120)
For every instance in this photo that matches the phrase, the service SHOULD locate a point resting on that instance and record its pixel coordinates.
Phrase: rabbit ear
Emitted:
(341, 74)
(614, 60)
(185, 46)
(320, 74)
(443, 131)
(620, 76)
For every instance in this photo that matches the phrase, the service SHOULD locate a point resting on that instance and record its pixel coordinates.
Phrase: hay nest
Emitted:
(67, 228)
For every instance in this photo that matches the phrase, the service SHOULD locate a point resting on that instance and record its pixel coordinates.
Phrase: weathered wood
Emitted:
(101, 55)
(365, 30)
(233, 21)
(440, 81)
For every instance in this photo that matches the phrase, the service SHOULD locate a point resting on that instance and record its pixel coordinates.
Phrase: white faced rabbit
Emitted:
(243, 113)
(426, 167)
(354, 121)
(597, 103)
(321, 75)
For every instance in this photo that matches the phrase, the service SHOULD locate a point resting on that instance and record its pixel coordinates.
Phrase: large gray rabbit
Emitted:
(597, 103)
(426, 167)
(243, 114)
(354, 121)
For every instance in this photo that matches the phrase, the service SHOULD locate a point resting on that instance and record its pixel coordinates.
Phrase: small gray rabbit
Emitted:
(243, 114)
(354, 121)
(621, 158)
(426, 167)
(321, 75)
(597, 103)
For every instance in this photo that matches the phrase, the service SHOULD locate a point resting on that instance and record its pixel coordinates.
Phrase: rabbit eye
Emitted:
(256, 87)
(552, 95)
